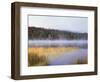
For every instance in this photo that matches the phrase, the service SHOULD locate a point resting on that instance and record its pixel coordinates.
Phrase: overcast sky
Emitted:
(74, 24)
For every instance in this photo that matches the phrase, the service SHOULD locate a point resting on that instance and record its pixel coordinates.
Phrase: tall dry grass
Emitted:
(37, 56)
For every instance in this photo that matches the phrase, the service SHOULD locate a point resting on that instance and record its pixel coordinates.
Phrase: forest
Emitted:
(40, 33)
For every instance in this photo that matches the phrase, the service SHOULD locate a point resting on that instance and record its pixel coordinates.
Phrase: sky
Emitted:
(74, 24)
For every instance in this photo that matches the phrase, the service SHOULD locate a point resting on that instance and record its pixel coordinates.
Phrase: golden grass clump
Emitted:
(52, 50)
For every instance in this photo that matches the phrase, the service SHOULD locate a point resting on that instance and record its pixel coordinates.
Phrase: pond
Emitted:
(78, 53)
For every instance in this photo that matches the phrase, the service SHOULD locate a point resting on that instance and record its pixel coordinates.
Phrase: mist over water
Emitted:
(58, 43)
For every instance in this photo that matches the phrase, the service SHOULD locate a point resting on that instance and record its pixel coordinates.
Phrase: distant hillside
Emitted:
(41, 33)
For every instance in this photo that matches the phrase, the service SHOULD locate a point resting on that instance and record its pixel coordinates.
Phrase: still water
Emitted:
(67, 58)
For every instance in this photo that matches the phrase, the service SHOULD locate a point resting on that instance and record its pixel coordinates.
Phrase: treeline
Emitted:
(41, 33)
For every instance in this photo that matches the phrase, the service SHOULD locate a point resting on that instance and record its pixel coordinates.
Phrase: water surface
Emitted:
(78, 56)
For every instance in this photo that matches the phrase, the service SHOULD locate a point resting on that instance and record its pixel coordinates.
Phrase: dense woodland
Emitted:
(51, 34)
